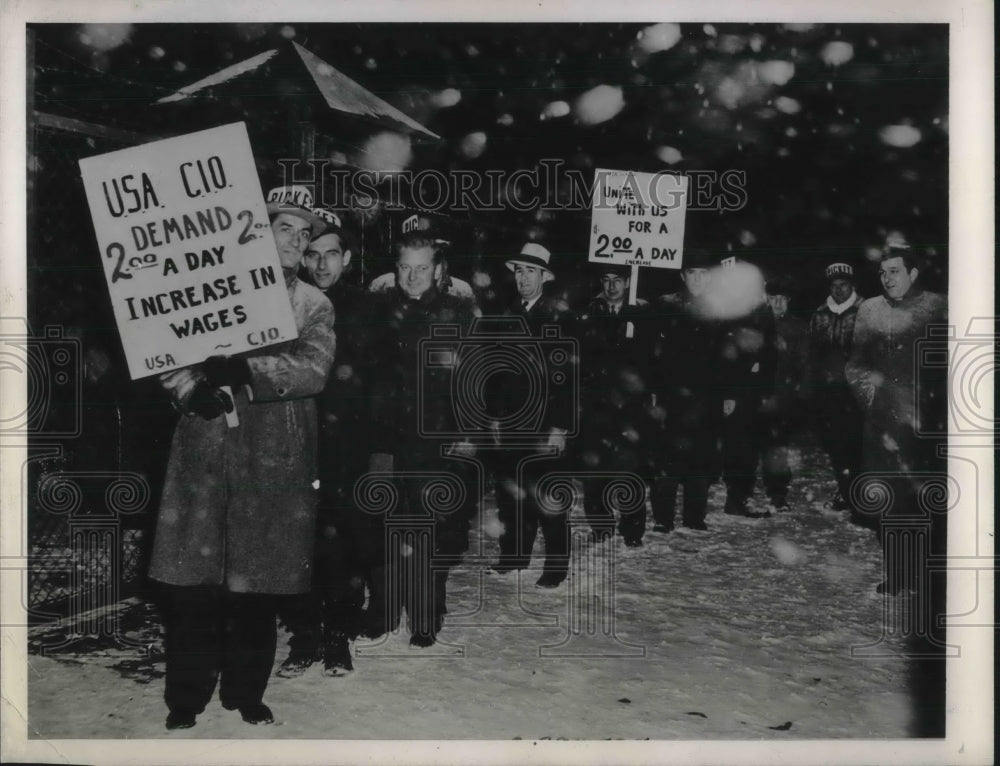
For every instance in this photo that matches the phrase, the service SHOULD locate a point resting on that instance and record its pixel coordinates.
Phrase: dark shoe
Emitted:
(337, 657)
(633, 542)
(551, 579)
(757, 514)
(735, 508)
(886, 588)
(180, 719)
(422, 640)
(663, 528)
(701, 526)
(297, 663)
(257, 714)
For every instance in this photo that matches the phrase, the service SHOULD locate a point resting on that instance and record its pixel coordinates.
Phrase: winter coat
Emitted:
(792, 339)
(688, 381)
(414, 410)
(406, 392)
(880, 372)
(749, 356)
(238, 508)
(830, 337)
(606, 350)
(614, 386)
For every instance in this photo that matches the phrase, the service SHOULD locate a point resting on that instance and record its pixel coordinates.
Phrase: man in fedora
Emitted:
(838, 418)
(237, 517)
(517, 501)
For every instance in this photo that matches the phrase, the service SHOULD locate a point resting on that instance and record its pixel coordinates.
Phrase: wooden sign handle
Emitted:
(633, 289)
(232, 418)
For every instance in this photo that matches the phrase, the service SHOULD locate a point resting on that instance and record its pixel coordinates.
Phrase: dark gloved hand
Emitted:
(226, 371)
(209, 402)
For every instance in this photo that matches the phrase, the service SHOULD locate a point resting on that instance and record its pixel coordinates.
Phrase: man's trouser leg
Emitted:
(248, 656)
(301, 614)
(775, 470)
(595, 510)
(695, 499)
(517, 517)
(663, 498)
(739, 454)
(193, 624)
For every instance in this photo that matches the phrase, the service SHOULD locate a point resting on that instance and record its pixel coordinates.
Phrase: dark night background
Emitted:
(839, 149)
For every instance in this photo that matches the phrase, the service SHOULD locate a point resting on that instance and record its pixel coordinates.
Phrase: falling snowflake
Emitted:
(386, 151)
(288, 31)
(599, 104)
(473, 145)
(669, 155)
(729, 92)
(658, 37)
(554, 109)
(900, 136)
(105, 37)
(836, 53)
(776, 72)
(446, 98)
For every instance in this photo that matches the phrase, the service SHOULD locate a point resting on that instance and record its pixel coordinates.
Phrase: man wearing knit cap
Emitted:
(837, 415)
(518, 506)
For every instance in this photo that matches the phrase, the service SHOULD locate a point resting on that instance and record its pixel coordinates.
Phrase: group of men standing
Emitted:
(677, 392)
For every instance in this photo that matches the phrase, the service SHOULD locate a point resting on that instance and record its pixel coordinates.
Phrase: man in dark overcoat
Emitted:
(686, 382)
(615, 345)
(323, 621)
(413, 424)
(518, 504)
(749, 355)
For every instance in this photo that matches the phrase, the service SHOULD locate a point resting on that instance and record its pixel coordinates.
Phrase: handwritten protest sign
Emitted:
(187, 249)
(637, 219)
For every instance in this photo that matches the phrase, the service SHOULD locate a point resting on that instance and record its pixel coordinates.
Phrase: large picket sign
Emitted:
(187, 249)
(637, 219)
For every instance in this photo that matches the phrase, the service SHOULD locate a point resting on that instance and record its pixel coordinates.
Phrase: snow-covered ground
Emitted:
(743, 632)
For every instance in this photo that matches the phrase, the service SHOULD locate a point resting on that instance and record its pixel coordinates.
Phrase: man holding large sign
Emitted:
(192, 270)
